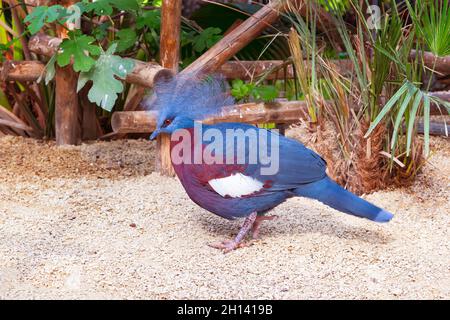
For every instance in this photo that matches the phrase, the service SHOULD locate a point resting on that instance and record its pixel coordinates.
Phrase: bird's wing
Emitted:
(289, 161)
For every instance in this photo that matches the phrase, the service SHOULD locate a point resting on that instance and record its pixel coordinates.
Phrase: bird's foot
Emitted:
(228, 245)
(257, 224)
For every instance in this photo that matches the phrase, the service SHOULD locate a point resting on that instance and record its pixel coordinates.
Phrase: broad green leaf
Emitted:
(241, 90)
(265, 93)
(80, 48)
(73, 13)
(100, 32)
(100, 7)
(106, 7)
(206, 39)
(126, 5)
(42, 15)
(386, 108)
(127, 39)
(105, 86)
(150, 19)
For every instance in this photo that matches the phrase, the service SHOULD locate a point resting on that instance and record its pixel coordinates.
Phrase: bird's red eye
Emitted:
(167, 122)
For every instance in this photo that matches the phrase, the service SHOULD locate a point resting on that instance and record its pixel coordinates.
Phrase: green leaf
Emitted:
(127, 39)
(106, 7)
(265, 93)
(73, 13)
(412, 118)
(387, 107)
(150, 19)
(80, 48)
(42, 15)
(206, 39)
(106, 87)
(426, 123)
(50, 70)
(100, 7)
(126, 5)
(400, 114)
(240, 90)
(100, 32)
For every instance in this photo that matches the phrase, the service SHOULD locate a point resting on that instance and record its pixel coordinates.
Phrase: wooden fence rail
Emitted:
(278, 112)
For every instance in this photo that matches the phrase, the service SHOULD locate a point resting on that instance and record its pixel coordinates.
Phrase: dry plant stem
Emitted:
(9, 116)
(22, 108)
(40, 108)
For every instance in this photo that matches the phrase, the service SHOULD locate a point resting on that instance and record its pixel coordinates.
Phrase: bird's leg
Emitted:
(257, 224)
(229, 245)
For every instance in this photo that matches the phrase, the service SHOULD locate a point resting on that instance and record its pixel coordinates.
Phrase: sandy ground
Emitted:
(95, 222)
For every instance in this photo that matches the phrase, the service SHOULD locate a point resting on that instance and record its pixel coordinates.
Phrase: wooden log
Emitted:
(67, 108)
(44, 44)
(170, 34)
(170, 58)
(144, 73)
(439, 64)
(21, 70)
(278, 112)
(436, 128)
(247, 70)
(47, 46)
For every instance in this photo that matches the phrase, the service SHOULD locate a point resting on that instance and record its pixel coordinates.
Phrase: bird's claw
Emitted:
(227, 245)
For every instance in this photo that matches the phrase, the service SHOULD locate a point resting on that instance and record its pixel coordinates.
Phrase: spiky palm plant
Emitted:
(375, 109)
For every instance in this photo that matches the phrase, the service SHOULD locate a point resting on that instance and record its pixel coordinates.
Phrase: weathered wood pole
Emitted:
(67, 108)
(170, 58)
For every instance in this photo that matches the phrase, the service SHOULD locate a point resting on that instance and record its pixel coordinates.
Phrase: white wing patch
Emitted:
(236, 185)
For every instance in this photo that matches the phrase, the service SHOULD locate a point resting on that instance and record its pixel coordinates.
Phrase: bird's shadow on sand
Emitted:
(328, 225)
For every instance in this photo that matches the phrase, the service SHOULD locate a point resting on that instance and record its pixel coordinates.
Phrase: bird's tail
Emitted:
(333, 195)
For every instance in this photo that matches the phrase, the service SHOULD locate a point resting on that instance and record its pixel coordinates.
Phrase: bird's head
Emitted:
(185, 99)
(170, 122)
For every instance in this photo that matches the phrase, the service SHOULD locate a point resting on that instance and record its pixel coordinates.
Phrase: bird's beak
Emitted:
(154, 134)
